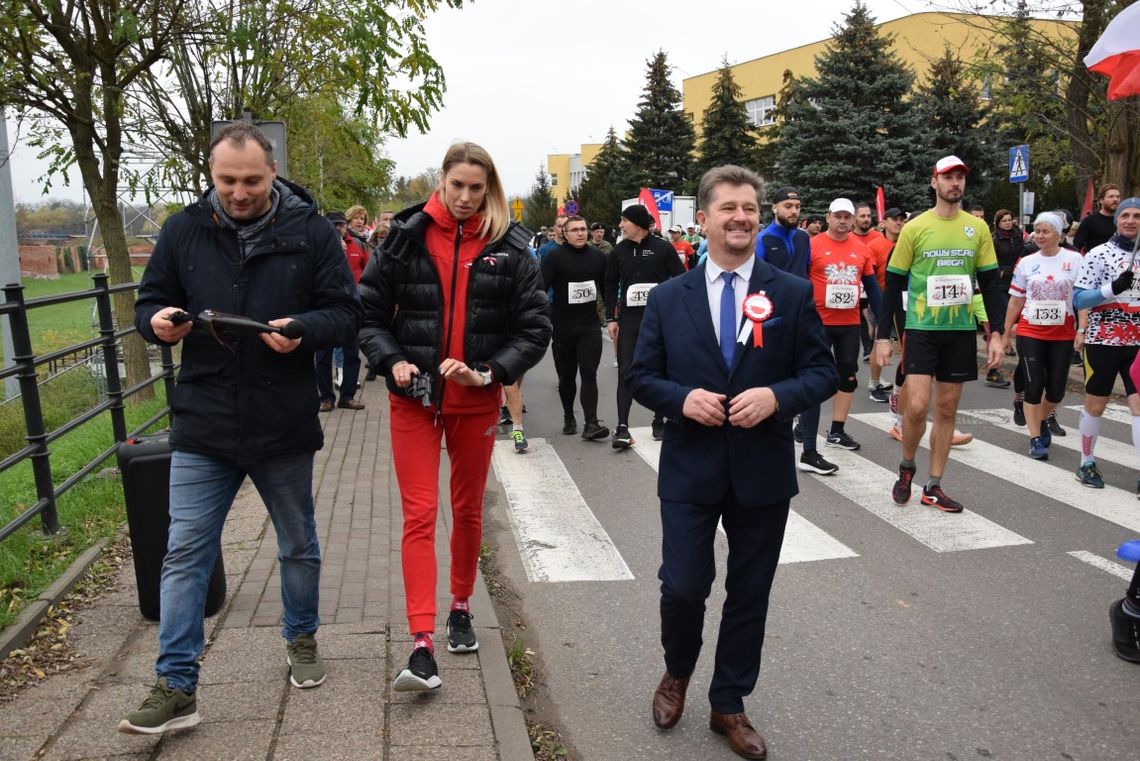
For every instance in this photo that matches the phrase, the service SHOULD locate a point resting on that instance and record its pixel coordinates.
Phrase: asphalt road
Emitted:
(915, 635)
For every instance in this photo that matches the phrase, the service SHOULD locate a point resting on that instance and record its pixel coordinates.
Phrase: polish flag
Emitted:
(1090, 195)
(880, 203)
(1116, 54)
(645, 198)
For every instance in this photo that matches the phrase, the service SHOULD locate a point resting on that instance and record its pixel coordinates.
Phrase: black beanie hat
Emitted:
(639, 215)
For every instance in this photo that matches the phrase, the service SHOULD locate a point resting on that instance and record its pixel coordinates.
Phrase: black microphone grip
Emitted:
(293, 329)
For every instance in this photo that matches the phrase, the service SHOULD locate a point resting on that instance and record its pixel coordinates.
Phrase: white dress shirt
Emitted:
(714, 286)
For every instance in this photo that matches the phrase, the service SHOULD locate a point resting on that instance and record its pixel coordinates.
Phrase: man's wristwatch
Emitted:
(485, 371)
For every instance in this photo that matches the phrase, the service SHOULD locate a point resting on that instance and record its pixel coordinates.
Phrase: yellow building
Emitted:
(919, 40)
(567, 170)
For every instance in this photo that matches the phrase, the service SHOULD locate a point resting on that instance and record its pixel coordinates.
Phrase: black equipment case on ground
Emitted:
(144, 462)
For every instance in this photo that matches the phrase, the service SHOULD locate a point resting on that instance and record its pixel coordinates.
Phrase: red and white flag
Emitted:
(645, 198)
(880, 203)
(1116, 54)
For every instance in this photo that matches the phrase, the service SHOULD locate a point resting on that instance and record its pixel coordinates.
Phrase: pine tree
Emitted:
(853, 127)
(661, 138)
(600, 194)
(539, 206)
(727, 134)
(1028, 108)
(957, 122)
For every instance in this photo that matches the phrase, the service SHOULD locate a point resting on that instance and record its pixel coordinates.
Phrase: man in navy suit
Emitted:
(729, 352)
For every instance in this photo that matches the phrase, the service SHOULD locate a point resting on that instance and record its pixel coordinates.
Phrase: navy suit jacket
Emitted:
(677, 351)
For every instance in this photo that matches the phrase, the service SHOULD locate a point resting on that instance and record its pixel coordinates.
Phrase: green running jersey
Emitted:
(940, 257)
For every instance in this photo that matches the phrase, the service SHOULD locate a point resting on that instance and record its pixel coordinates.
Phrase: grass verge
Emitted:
(90, 511)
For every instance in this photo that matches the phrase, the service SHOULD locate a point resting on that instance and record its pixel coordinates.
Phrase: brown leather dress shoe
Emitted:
(669, 701)
(745, 741)
(327, 406)
(350, 404)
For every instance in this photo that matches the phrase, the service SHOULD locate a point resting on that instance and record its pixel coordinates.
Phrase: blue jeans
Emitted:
(323, 360)
(202, 490)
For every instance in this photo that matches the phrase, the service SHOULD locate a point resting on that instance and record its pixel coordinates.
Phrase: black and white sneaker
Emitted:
(880, 394)
(622, 439)
(843, 441)
(1055, 428)
(421, 674)
(460, 634)
(504, 417)
(812, 461)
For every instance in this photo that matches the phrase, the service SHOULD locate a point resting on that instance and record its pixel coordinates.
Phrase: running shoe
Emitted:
(521, 444)
(569, 426)
(165, 708)
(797, 432)
(592, 431)
(811, 461)
(1125, 633)
(1018, 412)
(994, 379)
(895, 433)
(306, 669)
(1089, 476)
(1045, 436)
(886, 386)
(880, 395)
(842, 440)
(959, 439)
(1037, 450)
(460, 634)
(900, 492)
(658, 428)
(504, 417)
(1054, 427)
(421, 674)
(622, 439)
(937, 498)
(1077, 361)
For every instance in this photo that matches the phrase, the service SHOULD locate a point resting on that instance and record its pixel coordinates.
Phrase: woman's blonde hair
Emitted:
(496, 216)
(355, 211)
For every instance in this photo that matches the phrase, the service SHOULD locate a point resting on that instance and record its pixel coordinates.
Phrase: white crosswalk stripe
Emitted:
(558, 537)
(868, 485)
(803, 540)
(1107, 449)
(1096, 561)
(1117, 413)
(1058, 484)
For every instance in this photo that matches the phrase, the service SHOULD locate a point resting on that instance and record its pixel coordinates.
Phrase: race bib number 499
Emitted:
(585, 292)
(841, 296)
(948, 290)
(637, 295)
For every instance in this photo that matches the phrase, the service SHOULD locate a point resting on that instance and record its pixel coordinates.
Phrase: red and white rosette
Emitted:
(757, 308)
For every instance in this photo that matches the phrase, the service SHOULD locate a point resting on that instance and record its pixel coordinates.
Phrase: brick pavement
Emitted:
(248, 709)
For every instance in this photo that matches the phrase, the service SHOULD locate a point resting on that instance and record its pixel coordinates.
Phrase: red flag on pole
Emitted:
(1087, 206)
(880, 203)
(1116, 54)
(645, 198)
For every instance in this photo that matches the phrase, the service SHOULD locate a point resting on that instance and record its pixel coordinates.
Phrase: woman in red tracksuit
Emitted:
(454, 310)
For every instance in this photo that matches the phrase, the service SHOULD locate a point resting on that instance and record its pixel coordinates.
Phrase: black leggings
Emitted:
(578, 349)
(629, 327)
(1045, 365)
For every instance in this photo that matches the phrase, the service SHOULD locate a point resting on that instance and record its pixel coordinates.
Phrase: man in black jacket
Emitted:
(244, 406)
(639, 262)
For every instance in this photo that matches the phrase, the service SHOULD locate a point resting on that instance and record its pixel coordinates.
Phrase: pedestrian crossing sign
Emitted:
(1019, 163)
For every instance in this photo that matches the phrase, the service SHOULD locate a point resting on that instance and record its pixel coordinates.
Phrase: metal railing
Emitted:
(25, 362)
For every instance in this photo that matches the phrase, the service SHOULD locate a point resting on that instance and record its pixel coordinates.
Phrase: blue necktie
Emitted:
(728, 318)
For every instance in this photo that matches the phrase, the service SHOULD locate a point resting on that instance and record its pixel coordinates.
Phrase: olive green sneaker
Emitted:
(165, 708)
(306, 669)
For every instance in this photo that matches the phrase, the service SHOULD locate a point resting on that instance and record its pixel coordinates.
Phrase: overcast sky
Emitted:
(530, 77)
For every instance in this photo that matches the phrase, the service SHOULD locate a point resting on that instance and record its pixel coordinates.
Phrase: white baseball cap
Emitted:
(947, 163)
(676, 229)
(841, 204)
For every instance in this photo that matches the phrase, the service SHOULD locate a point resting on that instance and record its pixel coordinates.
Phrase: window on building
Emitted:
(553, 180)
(762, 111)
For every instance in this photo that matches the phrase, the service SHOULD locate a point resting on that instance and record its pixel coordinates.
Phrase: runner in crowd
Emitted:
(1105, 287)
(1040, 310)
(937, 257)
(881, 248)
(598, 239)
(639, 263)
(841, 270)
(575, 271)
(453, 307)
(684, 250)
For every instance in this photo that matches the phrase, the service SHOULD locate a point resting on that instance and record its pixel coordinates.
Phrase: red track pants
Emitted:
(415, 452)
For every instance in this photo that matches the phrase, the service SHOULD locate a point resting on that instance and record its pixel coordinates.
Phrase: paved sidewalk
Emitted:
(248, 709)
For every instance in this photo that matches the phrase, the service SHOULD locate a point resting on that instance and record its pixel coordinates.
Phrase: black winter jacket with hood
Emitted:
(243, 401)
(507, 320)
